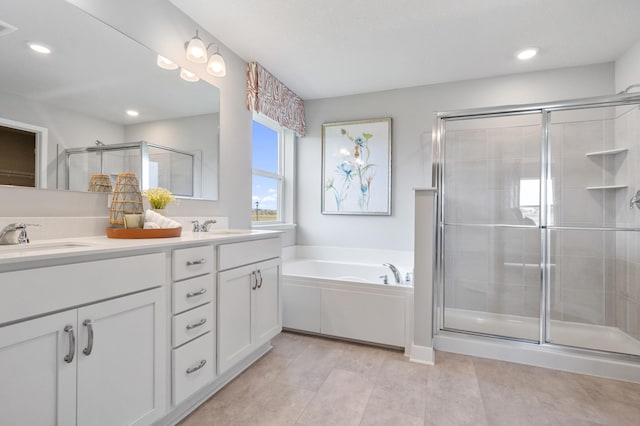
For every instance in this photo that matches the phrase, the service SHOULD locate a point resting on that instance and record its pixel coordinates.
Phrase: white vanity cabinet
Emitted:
(193, 320)
(249, 308)
(97, 364)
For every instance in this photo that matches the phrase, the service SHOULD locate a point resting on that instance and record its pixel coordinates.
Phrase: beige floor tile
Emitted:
(375, 415)
(340, 401)
(453, 394)
(312, 367)
(314, 381)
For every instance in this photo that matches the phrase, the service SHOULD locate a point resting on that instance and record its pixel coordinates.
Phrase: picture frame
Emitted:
(356, 167)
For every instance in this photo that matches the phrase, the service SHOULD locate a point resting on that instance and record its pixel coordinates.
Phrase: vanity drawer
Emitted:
(246, 252)
(193, 292)
(193, 367)
(191, 262)
(191, 324)
(38, 291)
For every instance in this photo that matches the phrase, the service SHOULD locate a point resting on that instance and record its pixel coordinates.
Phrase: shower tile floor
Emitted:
(308, 380)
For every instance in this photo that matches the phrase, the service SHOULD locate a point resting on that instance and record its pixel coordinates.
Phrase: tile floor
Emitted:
(313, 381)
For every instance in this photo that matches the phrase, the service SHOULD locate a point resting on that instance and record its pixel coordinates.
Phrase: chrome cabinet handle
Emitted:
(260, 275)
(196, 262)
(197, 293)
(72, 344)
(89, 348)
(254, 278)
(197, 324)
(197, 367)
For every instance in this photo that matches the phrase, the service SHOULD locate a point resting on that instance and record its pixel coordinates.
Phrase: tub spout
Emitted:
(396, 273)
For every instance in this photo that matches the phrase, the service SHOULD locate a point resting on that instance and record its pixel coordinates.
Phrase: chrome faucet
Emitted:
(204, 227)
(14, 233)
(396, 272)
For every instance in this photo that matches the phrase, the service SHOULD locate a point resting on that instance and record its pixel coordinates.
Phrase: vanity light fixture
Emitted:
(526, 54)
(165, 63)
(40, 48)
(132, 113)
(196, 50)
(187, 75)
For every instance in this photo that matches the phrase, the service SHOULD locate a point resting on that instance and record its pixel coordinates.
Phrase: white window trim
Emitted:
(286, 166)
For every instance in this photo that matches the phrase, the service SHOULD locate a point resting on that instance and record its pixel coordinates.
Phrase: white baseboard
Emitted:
(422, 354)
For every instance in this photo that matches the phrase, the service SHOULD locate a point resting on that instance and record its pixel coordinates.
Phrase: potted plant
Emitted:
(159, 198)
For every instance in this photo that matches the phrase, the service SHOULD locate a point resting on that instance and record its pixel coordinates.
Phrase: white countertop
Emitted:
(59, 249)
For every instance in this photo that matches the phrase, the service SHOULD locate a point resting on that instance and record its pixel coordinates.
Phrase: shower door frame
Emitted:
(438, 140)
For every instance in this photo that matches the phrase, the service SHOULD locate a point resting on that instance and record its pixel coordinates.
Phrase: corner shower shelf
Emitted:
(607, 152)
(607, 187)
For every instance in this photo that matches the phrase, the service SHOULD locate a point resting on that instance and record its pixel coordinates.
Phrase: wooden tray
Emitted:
(143, 233)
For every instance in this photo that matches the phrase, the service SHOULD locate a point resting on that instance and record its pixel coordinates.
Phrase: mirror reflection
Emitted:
(98, 104)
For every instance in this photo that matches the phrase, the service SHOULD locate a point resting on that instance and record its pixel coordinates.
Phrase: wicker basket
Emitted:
(126, 198)
(100, 183)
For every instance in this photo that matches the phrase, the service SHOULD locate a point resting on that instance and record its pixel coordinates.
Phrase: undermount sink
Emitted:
(29, 248)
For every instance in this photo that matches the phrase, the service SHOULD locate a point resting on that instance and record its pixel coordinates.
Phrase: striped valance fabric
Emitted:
(267, 95)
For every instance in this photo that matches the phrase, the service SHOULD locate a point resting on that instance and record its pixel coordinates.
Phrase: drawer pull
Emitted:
(196, 262)
(259, 275)
(197, 293)
(89, 348)
(72, 344)
(197, 324)
(254, 278)
(197, 367)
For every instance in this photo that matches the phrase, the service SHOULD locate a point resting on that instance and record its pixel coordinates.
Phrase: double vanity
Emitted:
(117, 332)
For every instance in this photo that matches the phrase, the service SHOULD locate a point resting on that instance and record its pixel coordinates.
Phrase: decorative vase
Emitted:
(126, 198)
(159, 211)
(100, 183)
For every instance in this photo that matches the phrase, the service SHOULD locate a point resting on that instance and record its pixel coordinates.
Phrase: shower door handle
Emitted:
(635, 200)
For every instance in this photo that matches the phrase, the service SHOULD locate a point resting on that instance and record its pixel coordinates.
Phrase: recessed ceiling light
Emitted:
(527, 53)
(40, 48)
(132, 113)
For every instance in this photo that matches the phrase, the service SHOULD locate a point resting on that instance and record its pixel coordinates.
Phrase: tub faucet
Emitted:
(14, 233)
(396, 273)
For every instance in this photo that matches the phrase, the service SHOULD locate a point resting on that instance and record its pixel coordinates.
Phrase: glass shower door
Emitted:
(593, 245)
(491, 219)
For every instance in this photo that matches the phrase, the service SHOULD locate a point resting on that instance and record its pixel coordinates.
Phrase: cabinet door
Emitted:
(37, 385)
(267, 312)
(235, 288)
(122, 380)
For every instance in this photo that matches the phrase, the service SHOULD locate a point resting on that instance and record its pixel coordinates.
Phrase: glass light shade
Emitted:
(216, 66)
(197, 51)
(166, 63)
(187, 75)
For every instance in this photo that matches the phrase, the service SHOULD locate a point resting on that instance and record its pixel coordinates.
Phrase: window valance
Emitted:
(269, 96)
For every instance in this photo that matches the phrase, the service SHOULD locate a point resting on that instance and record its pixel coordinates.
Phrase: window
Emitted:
(267, 175)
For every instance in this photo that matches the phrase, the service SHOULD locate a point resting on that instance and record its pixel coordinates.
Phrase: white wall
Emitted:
(412, 112)
(162, 27)
(192, 134)
(628, 68)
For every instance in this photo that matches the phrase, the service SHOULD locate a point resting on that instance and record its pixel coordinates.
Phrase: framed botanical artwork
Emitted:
(356, 167)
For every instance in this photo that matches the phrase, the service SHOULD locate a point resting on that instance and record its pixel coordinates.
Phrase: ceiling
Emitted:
(93, 69)
(340, 47)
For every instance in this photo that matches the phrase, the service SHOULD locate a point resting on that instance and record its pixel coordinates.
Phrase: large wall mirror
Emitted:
(63, 115)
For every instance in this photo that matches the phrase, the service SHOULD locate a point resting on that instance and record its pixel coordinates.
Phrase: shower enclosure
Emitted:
(155, 165)
(538, 230)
